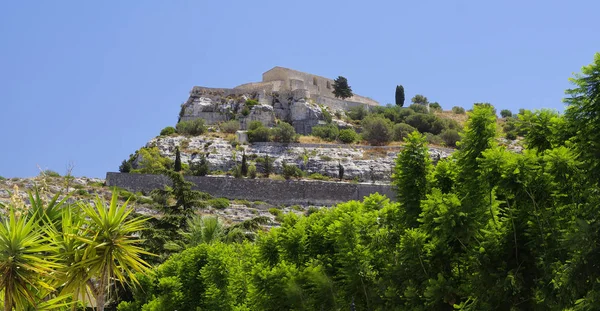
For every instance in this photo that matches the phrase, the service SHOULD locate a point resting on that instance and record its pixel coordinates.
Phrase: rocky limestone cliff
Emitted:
(215, 106)
(364, 163)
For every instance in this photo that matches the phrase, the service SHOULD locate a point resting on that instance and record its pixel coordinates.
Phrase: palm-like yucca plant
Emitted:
(204, 229)
(26, 267)
(111, 249)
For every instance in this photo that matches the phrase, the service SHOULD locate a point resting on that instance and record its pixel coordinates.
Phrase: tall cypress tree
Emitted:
(244, 168)
(400, 95)
(177, 167)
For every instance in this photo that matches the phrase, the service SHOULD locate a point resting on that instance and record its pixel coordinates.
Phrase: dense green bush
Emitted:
(403, 114)
(434, 139)
(327, 132)
(150, 161)
(357, 112)
(418, 108)
(169, 130)
(326, 115)
(230, 126)
(261, 134)
(291, 170)
(348, 136)
(458, 110)
(377, 130)
(51, 173)
(253, 125)
(421, 121)
(2, 178)
(251, 103)
(252, 171)
(401, 130)
(450, 137)
(435, 106)
(125, 167)
(193, 127)
(505, 113)
(284, 133)
(318, 176)
(219, 203)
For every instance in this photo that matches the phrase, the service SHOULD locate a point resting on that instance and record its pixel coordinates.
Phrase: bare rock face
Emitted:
(290, 106)
(363, 163)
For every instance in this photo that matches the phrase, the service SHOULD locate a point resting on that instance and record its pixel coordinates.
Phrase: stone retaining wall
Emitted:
(289, 192)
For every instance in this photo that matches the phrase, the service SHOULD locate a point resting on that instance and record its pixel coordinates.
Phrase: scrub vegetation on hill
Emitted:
(485, 229)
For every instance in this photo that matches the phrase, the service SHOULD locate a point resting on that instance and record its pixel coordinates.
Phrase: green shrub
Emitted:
(219, 203)
(311, 210)
(326, 158)
(261, 134)
(252, 171)
(318, 176)
(2, 178)
(505, 113)
(404, 113)
(237, 171)
(450, 137)
(251, 103)
(327, 132)
(434, 139)
(435, 106)
(200, 167)
(421, 121)
(169, 130)
(348, 136)
(152, 162)
(326, 115)
(277, 213)
(357, 113)
(458, 110)
(231, 126)
(284, 133)
(418, 108)
(125, 166)
(194, 127)
(254, 125)
(377, 130)
(82, 192)
(290, 170)
(245, 111)
(51, 173)
(402, 130)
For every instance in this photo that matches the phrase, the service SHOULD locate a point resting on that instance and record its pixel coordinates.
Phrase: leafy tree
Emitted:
(377, 130)
(543, 129)
(419, 99)
(399, 95)
(244, 166)
(341, 89)
(169, 130)
(357, 112)
(150, 161)
(505, 113)
(458, 110)
(329, 132)
(348, 136)
(193, 128)
(125, 167)
(268, 165)
(200, 167)
(413, 167)
(177, 166)
(402, 130)
(284, 133)
(450, 137)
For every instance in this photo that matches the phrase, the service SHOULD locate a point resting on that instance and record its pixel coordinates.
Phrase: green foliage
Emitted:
(252, 171)
(326, 114)
(329, 132)
(505, 113)
(357, 112)
(419, 99)
(435, 106)
(284, 133)
(177, 165)
(230, 126)
(318, 176)
(259, 134)
(244, 165)
(291, 171)
(199, 167)
(399, 96)
(219, 203)
(50, 173)
(458, 110)
(169, 130)
(348, 136)
(402, 130)
(251, 103)
(341, 89)
(340, 171)
(125, 167)
(543, 129)
(419, 108)
(150, 161)
(193, 127)
(450, 137)
(2, 178)
(377, 130)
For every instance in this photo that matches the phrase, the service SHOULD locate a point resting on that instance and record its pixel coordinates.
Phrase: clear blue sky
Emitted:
(89, 82)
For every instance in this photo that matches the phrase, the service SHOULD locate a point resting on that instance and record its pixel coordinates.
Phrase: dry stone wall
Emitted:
(292, 192)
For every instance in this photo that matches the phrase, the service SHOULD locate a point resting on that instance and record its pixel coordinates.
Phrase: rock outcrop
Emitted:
(363, 163)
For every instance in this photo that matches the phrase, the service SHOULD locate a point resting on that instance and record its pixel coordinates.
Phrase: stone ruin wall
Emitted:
(288, 192)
